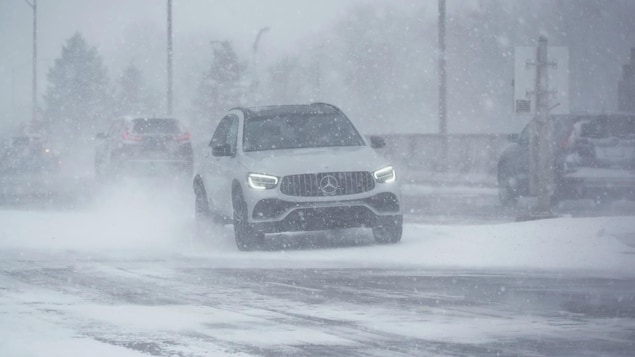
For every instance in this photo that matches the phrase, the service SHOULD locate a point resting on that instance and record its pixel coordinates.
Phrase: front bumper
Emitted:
(276, 215)
(598, 182)
(142, 160)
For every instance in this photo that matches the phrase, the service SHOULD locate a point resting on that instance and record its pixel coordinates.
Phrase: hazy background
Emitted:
(377, 60)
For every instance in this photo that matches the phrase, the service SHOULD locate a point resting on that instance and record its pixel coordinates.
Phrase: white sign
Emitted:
(525, 80)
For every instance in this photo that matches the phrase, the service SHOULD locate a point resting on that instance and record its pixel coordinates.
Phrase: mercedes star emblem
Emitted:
(328, 185)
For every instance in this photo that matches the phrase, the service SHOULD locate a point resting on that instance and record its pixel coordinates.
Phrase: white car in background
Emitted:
(295, 168)
(594, 157)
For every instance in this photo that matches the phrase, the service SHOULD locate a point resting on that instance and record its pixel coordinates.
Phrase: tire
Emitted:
(202, 215)
(115, 169)
(185, 171)
(100, 171)
(557, 196)
(389, 232)
(245, 236)
(507, 194)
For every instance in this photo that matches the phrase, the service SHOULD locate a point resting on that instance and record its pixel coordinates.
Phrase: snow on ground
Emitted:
(155, 227)
(27, 335)
(132, 222)
(448, 190)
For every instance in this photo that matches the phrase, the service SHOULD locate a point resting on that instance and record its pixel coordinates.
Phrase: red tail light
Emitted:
(183, 137)
(129, 137)
(567, 140)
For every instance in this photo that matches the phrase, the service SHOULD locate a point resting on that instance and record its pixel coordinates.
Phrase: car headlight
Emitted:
(385, 175)
(261, 181)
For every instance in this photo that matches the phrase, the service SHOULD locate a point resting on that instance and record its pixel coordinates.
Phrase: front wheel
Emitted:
(202, 216)
(100, 170)
(507, 191)
(389, 232)
(245, 236)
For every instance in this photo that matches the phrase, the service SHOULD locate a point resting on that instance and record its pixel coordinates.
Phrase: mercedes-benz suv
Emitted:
(295, 168)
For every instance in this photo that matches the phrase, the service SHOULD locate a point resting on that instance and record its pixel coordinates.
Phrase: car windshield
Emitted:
(609, 126)
(156, 126)
(290, 131)
(561, 125)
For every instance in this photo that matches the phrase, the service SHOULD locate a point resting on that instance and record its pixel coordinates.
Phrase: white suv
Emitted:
(295, 168)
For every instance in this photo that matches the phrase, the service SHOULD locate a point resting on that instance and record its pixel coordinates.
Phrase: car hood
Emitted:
(314, 160)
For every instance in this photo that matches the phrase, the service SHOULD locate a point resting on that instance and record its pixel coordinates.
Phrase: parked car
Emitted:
(28, 154)
(594, 157)
(28, 167)
(140, 145)
(295, 168)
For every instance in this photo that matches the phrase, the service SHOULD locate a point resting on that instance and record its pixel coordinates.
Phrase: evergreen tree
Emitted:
(133, 97)
(129, 96)
(283, 86)
(222, 86)
(77, 98)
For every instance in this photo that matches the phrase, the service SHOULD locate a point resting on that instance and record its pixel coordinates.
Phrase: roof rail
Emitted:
(245, 110)
(326, 105)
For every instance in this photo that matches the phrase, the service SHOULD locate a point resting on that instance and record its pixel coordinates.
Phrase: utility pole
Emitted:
(33, 5)
(626, 86)
(541, 138)
(169, 94)
(318, 72)
(255, 50)
(443, 126)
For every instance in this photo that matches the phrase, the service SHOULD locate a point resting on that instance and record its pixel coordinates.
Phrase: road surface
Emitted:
(189, 307)
(63, 300)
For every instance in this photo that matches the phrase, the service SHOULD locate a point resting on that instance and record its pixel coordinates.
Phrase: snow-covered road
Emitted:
(126, 277)
(184, 307)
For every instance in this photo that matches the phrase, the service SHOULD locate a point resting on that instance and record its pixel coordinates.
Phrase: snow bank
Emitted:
(146, 226)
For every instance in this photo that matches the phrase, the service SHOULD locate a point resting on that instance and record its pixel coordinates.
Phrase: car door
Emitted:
(103, 150)
(515, 159)
(218, 167)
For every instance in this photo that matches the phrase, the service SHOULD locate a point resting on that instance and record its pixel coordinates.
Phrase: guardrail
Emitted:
(471, 158)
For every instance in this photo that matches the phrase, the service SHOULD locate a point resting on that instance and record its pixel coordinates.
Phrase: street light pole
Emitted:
(542, 158)
(33, 5)
(443, 104)
(169, 65)
(255, 49)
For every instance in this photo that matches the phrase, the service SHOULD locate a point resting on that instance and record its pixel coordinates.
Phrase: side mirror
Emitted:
(513, 138)
(377, 142)
(222, 150)
(100, 136)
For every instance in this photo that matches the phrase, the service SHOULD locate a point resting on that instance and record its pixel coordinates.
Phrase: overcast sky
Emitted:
(134, 31)
(108, 25)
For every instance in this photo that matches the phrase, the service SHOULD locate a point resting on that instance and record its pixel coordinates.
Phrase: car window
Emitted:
(232, 135)
(523, 139)
(226, 132)
(114, 128)
(562, 126)
(156, 126)
(609, 126)
(290, 131)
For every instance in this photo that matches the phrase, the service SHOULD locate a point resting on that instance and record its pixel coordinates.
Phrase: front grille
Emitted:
(327, 184)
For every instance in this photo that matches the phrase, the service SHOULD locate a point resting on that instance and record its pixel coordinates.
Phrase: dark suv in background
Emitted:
(139, 145)
(29, 167)
(594, 157)
(27, 155)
